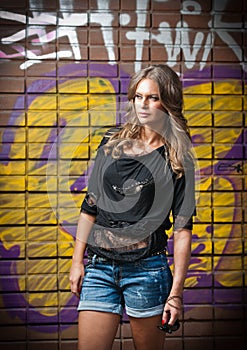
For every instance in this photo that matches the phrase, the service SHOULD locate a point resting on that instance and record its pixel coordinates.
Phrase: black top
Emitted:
(133, 198)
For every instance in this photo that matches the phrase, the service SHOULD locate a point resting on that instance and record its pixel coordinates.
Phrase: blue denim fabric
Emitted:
(140, 287)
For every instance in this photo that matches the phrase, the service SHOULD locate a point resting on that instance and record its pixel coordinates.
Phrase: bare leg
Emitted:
(145, 333)
(97, 330)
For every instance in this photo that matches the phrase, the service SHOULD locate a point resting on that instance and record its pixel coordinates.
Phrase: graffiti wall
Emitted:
(65, 67)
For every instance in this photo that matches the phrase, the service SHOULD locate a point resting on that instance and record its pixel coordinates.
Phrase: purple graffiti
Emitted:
(231, 163)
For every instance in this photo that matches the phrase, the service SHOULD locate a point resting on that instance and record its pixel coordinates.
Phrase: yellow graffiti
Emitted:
(83, 106)
(87, 108)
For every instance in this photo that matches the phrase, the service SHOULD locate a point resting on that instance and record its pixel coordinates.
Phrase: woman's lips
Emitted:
(143, 115)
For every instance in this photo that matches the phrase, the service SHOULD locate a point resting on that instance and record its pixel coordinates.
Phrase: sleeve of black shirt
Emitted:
(183, 207)
(89, 204)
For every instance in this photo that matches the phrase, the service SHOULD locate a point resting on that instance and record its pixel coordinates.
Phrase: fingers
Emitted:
(169, 317)
(75, 289)
(165, 317)
(172, 319)
(172, 310)
(74, 286)
(76, 277)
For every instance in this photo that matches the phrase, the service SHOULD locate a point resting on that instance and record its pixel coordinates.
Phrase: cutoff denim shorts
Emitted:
(140, 288)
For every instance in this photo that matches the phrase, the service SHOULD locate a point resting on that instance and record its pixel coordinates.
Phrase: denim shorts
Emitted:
(140, 288)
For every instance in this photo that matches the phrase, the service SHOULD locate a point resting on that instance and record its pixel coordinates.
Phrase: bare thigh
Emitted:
(97, 330)
(145, 333)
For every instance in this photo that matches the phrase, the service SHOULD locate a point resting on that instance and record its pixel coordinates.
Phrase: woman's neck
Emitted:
(152, 138)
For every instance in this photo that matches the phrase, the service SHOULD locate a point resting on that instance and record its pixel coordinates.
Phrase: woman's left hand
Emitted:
(172, 310)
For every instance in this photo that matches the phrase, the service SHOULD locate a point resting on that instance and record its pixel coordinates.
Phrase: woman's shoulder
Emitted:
(110, 132)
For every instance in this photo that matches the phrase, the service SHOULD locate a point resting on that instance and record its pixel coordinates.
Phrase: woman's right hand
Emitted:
(76, 276)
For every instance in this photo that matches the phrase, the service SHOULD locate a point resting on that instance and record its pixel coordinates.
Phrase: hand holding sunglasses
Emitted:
(168, 328)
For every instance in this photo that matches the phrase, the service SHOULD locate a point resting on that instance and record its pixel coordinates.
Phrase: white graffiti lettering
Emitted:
(140, 34)
(46, 27)
(105, 19)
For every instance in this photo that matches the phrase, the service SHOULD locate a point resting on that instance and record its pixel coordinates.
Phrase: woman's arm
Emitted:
(182, 253)
(84, 227)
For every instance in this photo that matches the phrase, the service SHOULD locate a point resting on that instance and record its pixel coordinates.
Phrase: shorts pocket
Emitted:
(154, 263)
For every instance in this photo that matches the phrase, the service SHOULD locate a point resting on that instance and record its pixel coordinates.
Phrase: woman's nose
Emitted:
(144, 102)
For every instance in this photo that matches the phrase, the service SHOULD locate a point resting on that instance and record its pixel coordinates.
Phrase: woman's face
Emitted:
(147, 103)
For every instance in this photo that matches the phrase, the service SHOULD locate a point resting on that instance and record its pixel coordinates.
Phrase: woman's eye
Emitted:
(154, 98)
(138, 97)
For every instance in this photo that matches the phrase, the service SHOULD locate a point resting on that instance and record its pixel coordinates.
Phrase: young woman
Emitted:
(142, 183)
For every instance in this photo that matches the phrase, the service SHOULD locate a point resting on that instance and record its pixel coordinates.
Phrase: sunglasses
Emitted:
(169, 329)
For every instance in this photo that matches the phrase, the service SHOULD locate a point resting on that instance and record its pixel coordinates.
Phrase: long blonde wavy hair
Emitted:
(176, 133)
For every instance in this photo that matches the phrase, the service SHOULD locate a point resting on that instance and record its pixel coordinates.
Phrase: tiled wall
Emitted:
(65, 67)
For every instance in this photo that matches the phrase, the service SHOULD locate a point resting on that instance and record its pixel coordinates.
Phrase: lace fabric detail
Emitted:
(182, 222)
(109, 240)
(91, 199)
